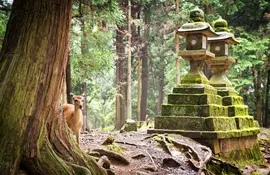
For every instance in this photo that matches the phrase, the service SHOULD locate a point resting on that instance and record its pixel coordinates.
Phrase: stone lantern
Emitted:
(195, 109)
(196, 33)
(220, 47)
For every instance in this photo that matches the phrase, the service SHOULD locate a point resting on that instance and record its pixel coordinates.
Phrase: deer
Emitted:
(73, 115)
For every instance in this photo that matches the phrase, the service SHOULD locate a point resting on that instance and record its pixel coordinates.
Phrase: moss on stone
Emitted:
(115, 148)
(195, 89)
(194, 99)
(232, 100)
(220, 123)
(180, 123)
(237, 110)
(243, 157)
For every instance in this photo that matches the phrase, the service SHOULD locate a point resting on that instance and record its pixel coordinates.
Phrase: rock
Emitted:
(149, 167)
(104, 162)
(138, 156)
(130, 125)
(109, 140)
(94, 154)
(141, 173)
(170, 162)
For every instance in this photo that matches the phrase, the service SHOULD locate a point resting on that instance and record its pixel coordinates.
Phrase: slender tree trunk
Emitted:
(85, 51)
(266, 113)
(129, 105)
(160, 91)
(32, 66)
(84, 92)
(139, 81)
(258, 88)
(147, 14)
(177, 44)
(68, 82)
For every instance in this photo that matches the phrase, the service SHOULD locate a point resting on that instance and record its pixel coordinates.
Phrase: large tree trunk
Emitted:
(147, 14)
(120, 81)
(258, 88)
(32, 66)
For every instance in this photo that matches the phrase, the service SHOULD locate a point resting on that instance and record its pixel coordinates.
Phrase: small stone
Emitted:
(141, 173)
(138, 156)
(149, 167)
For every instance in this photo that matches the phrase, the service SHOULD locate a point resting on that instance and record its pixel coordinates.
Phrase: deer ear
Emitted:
(83, 94)
(71, 94)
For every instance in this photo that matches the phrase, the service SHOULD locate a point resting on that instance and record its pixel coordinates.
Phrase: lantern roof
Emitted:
(196, 25)
(221, 28)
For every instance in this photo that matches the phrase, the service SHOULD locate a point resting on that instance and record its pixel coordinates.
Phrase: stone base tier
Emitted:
(218, 141)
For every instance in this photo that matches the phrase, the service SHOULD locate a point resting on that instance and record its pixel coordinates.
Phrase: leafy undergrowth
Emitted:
(138, 153)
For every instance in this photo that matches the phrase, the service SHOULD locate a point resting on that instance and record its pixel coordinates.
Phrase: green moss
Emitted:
(196, 15)
(195, 89)
(115, 148)
(243, 157)
(182, 123)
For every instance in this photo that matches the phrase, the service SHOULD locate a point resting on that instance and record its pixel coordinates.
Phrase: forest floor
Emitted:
(139, 153)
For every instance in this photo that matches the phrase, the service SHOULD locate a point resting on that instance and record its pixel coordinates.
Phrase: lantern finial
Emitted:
(196, 15)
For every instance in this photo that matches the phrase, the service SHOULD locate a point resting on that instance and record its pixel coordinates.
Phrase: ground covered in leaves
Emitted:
(138, 153)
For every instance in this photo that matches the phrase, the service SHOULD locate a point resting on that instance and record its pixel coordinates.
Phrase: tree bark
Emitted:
(84, 92)
(147, 14)
(32, 67)
(120, 81)
(177, 45)
(68, 82)
(258, 88)
(266, 113)
(129, 105)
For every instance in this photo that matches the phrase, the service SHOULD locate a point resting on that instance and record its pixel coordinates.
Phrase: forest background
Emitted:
(99, 47)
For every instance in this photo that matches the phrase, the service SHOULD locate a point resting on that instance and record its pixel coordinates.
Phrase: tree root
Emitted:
(112, 155)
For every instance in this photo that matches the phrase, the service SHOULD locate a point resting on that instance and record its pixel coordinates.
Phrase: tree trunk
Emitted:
(258, 88)
(147, 14)
(139, 81)
(160, 90)
(85, 122)
(177, 45)
(129, 106)
(68, 82)
(120, 81)
(266, 113)
(32, 67)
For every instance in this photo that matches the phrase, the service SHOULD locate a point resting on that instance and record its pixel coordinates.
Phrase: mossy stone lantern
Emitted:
(220, 47)
(196, 32)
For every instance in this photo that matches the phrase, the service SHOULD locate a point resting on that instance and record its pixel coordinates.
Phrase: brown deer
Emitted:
(73, 115)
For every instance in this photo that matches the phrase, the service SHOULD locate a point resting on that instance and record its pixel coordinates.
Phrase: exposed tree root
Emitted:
(112, 155)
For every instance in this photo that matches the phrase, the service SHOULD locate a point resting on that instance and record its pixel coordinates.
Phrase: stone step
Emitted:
(195, 89)
(194, 99)
(232, 100)
(190, 123)
(237, 110)
(209, 134)
(243, 122)
(194, 110)
(223, 93)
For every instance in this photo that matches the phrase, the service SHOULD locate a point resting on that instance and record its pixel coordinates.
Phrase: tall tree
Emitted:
(129, 109)
(145, 55)
(32, 66)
